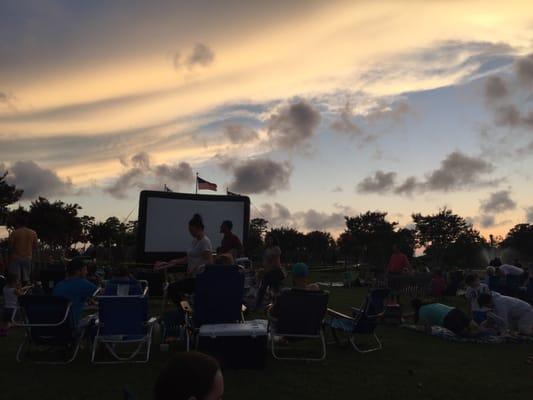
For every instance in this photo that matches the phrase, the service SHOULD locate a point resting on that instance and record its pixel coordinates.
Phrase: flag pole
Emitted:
(196, 183)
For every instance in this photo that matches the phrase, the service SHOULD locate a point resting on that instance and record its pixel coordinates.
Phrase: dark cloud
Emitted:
(498, 202)
(408, 186)
(294, 125)
(260, 175)
(38, 181)
(511, 116)
(486, 221)
(201, 55)
(458, 171)
(315, 220)
(141, 160)
(344, 122)
(495, 88)
(381, 182)
(237, 133)
(126, 181)
(181, 172)
(524, 70)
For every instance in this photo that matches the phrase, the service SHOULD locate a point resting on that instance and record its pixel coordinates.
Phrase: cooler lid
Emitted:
(258, 327)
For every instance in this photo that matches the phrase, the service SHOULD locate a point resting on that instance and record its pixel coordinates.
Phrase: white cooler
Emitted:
(237, 346)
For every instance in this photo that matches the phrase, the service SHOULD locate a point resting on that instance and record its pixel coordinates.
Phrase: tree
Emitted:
(320, 247)
(9, 194)
(291, 243)
(406, 240)
(57, 224)
(256, 234)
(520, 239)
(106, 233)
(437, 233)
(371, 237)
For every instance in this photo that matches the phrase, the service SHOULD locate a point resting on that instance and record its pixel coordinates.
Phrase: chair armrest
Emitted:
(152, 320)
(243, 308)
(356, 310)
(335, 314)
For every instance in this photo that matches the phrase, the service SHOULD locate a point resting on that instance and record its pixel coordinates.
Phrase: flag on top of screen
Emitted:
(205, 185)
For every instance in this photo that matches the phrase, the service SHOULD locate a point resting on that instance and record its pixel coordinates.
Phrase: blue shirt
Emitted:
(77, 291)
(433, 314)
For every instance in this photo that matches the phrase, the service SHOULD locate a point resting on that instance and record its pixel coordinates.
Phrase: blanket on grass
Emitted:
(445, 334)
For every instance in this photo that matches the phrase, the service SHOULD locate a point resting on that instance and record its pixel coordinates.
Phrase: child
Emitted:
(474, 288)
(11, 292)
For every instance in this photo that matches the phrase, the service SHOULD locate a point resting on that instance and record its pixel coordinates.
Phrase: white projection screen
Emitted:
(164, 218)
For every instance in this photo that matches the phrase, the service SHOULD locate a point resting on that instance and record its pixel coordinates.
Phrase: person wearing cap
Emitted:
(300, 277)
(76, 288)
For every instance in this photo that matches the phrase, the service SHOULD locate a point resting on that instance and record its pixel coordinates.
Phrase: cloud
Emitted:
(381, 182)
(315, 220)
(486, 221)
(498, 202)
(294, 125)
(38, 181)
(337, 189)
(408, 186)
(510, 115)
(458, 171)
(260, 175)
(142, 174)
(238, 133)
(394, 111)
(524, 70)
(495, 88)
(529, 215)
(178, 173)
(201, 55)
(344, 123)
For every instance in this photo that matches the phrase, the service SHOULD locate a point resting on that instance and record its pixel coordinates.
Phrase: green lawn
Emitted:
(411, 365)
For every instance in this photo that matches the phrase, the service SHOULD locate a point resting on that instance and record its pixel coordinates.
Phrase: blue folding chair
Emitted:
(123, 322)
(363, 321)
(49, 326)
(125, 287)
(218, 298)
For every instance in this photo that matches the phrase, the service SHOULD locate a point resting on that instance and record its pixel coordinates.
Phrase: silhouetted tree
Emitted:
(256, 234)
(291, 243)
(520, 239)
(320, 247)
(9, 194)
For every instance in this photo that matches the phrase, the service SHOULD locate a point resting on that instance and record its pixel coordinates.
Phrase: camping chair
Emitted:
(363, 321)
(299, 314)
(49, 325)
(123, 321)
(218, 297)
(126, 288)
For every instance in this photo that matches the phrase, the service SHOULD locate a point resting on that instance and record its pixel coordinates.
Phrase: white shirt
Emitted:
(508, 269)
(509, 308)
(10, 297)
(472, 295)
(195, 254)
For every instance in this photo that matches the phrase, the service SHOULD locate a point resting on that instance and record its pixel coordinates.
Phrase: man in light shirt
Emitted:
(22, 242)
(508, 269)
(511, 313)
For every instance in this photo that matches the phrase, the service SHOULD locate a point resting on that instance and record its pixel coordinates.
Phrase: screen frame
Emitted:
(150, 257)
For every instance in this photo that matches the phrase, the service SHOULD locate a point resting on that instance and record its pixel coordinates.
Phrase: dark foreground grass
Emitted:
(410, 366)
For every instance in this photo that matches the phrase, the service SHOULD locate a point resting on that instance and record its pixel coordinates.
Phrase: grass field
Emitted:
(411, 366)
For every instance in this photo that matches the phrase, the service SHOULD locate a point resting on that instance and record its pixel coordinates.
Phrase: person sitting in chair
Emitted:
(300, 277)
(76, 288)
(123, 284)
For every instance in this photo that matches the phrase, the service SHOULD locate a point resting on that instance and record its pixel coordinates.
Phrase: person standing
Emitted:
(273, 274)
(22, 243)
(231, 244)
(397, 267)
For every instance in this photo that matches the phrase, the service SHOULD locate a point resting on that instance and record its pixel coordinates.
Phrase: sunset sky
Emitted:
(315, 109)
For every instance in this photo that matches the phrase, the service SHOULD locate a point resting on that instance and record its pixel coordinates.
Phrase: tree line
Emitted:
(447, 239)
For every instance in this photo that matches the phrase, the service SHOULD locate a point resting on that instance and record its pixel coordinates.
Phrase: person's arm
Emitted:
(171, 263)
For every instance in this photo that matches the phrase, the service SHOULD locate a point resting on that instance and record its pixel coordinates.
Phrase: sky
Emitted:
(315, 109)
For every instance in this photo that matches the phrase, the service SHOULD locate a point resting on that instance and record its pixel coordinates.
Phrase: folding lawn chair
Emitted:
(218, 298)
(299, 314)
(363, 321)
(49, 326)
(123, 322)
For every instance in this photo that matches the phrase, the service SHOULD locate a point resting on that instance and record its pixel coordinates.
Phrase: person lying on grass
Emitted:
(427, 315)
(512, 314)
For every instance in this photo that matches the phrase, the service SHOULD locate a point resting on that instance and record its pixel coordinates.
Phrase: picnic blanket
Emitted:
(446, 334)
